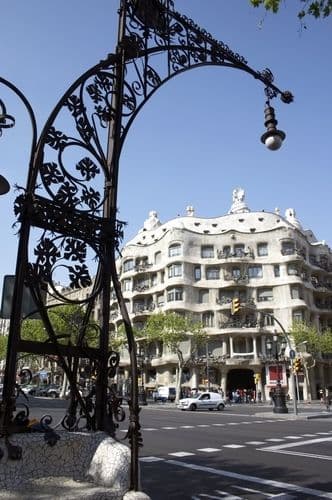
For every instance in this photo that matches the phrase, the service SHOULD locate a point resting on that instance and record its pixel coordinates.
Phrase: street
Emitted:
(243, 452)
(234, 454)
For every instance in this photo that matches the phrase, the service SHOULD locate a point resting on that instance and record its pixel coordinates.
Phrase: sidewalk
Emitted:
(306, 411)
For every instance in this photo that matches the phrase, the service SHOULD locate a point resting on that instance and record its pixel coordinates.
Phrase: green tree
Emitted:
(316, 342)
(316, 9)
(3, 346)
(174, 330)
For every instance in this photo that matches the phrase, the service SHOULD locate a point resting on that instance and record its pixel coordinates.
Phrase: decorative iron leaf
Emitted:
(56, 139)
(75, 105)
(84, 129)
(87, 168)
(74, 250)
(91, 197)
(66, 195)
(104, 81)
(79, 276)
(104, 113)
(46, 252)
(51, 173)
(95, 93)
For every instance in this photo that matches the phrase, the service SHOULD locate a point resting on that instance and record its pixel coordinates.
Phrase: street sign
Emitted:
(292, 354)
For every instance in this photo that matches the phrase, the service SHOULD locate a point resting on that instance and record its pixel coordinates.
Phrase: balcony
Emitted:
(239, 280)
(143, 308)
(141, 287)
(237, 256)
(239, 323)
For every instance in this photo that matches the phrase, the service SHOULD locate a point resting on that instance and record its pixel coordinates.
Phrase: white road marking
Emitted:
(181, 454)
(208, 450)
(309, 435)
(253, 479)
(151, 459)
(275, 440)
(282, 449)
(269, 495)
(168, 428)
(149, 429)
(187, 426)
(293, 437)
(219, 425)
(233, 446)
(255, 443)
(203, 425)
(233, 423)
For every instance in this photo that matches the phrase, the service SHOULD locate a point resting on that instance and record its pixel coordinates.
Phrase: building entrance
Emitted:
(240, 379)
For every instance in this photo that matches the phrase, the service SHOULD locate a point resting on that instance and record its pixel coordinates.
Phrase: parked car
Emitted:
(53, 391)
(29, 389)
(203, 401)
(47, 390)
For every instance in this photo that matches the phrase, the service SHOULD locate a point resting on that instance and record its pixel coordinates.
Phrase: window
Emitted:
(154, 280)
(197, 273)
(226, 251)
(212, 273)
(266, 320)
(236, 273)
(160, 300)
(239, 250)
(208, 319)
(157, 257)
(174, 270)
(174, 294)
(296, 292)
(292, 270)
(264, 294)
(255, 272)
(203, 296)
(127, 286)
(298, 315)
(207, 252)
(287, 248)
(276, 269)
(128, 265)
(174, 250)
(262, 249)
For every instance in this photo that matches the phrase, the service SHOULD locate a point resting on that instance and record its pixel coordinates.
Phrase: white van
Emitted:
(165, 393)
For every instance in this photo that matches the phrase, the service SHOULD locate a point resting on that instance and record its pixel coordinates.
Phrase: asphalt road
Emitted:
(241, 453)
(244, 452)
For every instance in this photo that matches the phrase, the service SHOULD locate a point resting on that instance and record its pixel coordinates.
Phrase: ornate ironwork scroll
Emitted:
(69, 231)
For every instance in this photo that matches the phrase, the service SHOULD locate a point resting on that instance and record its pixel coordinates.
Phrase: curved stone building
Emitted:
(275, 269)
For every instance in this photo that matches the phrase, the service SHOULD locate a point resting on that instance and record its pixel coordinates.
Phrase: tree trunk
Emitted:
(64, 386)
(178, 383)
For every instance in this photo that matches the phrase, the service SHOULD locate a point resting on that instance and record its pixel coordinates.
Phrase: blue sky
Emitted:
(199, 136)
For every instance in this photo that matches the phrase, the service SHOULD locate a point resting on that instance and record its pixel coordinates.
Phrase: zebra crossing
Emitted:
(235, 446)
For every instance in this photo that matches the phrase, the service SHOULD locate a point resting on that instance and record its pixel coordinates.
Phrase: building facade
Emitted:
(197, 266)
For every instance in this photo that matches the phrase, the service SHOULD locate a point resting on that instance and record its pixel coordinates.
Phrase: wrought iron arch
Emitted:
(70, 202)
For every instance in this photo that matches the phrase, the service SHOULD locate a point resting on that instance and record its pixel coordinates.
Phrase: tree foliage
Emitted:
(315, 341)
(3, 346)
(173, 329)
(316, 9)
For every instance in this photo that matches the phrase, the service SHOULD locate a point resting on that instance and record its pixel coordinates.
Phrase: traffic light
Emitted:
(257, 378)
(235, 305)
(297, 365)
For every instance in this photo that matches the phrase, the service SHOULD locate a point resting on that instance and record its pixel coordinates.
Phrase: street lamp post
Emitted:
(276, 350)
(68, 210)
(283, 343)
